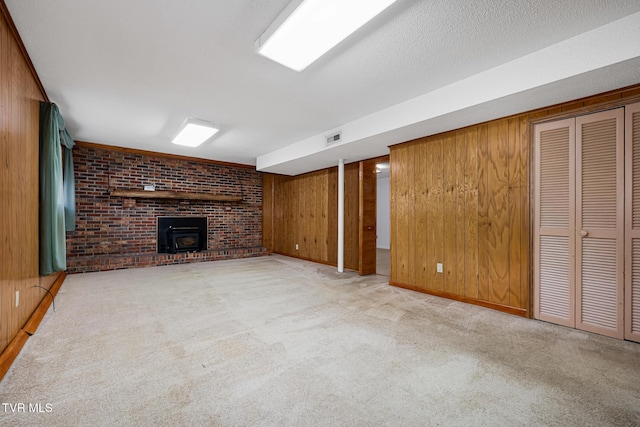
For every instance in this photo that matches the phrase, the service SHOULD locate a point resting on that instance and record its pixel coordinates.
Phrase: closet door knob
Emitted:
(584, 233)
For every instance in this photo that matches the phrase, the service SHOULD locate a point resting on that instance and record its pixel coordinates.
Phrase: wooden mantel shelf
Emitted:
(176, 195)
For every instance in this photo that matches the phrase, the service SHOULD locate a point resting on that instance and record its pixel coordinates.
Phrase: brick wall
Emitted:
(119, 232)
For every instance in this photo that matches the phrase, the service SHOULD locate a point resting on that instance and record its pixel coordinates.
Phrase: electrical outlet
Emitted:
(439, 267)
(17, 298)
(296, 246)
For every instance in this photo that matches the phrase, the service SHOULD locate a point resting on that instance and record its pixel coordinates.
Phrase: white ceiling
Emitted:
(128, 72)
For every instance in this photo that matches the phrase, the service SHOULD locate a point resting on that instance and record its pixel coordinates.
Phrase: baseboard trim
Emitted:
(10, 353)
(318, 261)
(333, 264)
(495, 306)
(38, 315)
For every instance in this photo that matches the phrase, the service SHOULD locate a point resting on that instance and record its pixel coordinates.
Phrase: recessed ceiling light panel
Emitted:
(194, 132)
(307, 30)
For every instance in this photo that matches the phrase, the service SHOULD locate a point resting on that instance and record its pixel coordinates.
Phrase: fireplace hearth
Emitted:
(182, 234)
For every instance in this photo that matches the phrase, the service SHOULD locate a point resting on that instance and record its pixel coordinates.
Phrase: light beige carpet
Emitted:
(275, 341)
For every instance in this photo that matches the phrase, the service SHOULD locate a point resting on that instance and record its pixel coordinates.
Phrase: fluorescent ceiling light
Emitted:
(194, 132)
(307, 30)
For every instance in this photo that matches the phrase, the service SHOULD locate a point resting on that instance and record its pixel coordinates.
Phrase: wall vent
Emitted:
(334, 137)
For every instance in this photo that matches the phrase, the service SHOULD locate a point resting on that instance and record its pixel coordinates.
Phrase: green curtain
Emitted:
(68, 178)
(57, 190)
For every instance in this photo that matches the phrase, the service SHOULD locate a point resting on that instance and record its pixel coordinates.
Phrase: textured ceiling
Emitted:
(127, 73)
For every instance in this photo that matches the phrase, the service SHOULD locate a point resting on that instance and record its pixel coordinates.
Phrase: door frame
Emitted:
(367, 220)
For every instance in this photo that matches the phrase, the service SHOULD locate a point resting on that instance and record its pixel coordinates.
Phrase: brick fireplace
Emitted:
(116, 232)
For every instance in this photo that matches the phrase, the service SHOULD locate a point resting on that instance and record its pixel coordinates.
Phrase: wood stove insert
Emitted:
(182, 234)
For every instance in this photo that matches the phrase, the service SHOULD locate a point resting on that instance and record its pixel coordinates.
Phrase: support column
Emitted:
(341, 216)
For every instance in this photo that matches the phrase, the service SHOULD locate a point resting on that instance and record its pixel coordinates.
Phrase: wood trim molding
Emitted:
(174, 195)
(587, 109)
(15, 346)
(592, 103)
(499, 307)
(158, 154)
(599, 101)
(14, 31)
(531, 182)
(331, 264)
(38, 314)
(11, 352)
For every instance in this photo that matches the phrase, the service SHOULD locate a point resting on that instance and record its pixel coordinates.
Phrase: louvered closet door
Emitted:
(600, 222)
(554, 260)
(632, 223)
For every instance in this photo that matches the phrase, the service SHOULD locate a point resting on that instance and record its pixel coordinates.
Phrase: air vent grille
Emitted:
(334, 138)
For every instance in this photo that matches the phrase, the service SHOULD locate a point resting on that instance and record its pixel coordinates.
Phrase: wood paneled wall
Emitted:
(459, 199)
(303, 210)
(462, 199)
(20, 93)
